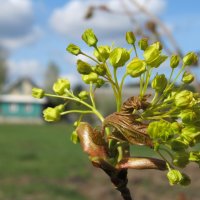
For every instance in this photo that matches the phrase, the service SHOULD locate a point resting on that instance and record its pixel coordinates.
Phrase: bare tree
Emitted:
(3, 68)
(152, 27)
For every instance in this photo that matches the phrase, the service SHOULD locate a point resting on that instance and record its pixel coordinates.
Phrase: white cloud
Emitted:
(25, 68)
(69, 20)
(17, 24)
(16, 42)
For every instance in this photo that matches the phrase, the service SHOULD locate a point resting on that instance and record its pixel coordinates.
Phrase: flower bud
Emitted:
(174, 176)
(191, 134)
(190, 58)
(143, 44)
(100, 82)
(74, 137)
(187, 77)
(89, 37)
(92, 77)
(76, 123)
(60, 108)
(160, 130)
(73, 49)
(151, 53)
(102, 53)
(153, 56)
(130, 37)
(83, 67)
(183, 98)
(60, 86)
(118, 57)
(51, 114)
(159, 83)
(100, 69)
(158, 45)
(174, 61)
(136, 67)
(188, 116)
(83, 95)
(181, 159)
(38, 93)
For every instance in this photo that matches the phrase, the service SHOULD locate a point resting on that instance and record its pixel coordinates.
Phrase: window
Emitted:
(13, 107)
(28, 108)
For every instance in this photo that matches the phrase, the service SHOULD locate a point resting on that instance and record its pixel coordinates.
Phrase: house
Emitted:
(18, 106)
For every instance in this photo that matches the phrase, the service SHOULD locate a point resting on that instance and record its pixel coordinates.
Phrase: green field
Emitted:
(37, 160)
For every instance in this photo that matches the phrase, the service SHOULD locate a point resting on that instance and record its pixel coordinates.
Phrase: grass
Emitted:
(39, 162)
(37, 159)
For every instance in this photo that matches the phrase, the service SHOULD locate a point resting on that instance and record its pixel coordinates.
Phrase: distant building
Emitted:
(18, 106)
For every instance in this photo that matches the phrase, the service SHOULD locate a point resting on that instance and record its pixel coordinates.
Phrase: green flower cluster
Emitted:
(173, 115)
(176, 130)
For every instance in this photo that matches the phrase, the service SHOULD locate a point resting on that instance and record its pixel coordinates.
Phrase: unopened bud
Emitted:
(158, 45)
(89, 37)
(60, 108)
(130, 37)
(100, 69)
(118, 57)
(73, 49)
(174, 177)
(136, 67)
(160, 130)
(83, 95)
(92, 77)
(102, 53)
(83, 67)
(51, 114)
(38, 93)
(153, 56)
(191, 134)
(60, 86)
(183, 98)
(159, 83)
(174, 61)
(100, 82)
(74, 137)
(187, 77)
(190, 59)
(143, 44)
(188, 116)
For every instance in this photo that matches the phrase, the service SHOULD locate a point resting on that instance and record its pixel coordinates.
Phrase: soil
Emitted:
(144, 185)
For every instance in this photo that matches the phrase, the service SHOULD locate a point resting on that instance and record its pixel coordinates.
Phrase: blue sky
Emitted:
(36, 32)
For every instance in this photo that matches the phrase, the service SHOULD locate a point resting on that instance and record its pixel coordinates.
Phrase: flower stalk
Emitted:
(169, 123)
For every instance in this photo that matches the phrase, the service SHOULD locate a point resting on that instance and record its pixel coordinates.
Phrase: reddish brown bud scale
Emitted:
(90, 143)
(142, 163)
(125, 123)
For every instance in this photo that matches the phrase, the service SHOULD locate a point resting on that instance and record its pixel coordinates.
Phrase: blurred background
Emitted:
(37, 160)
